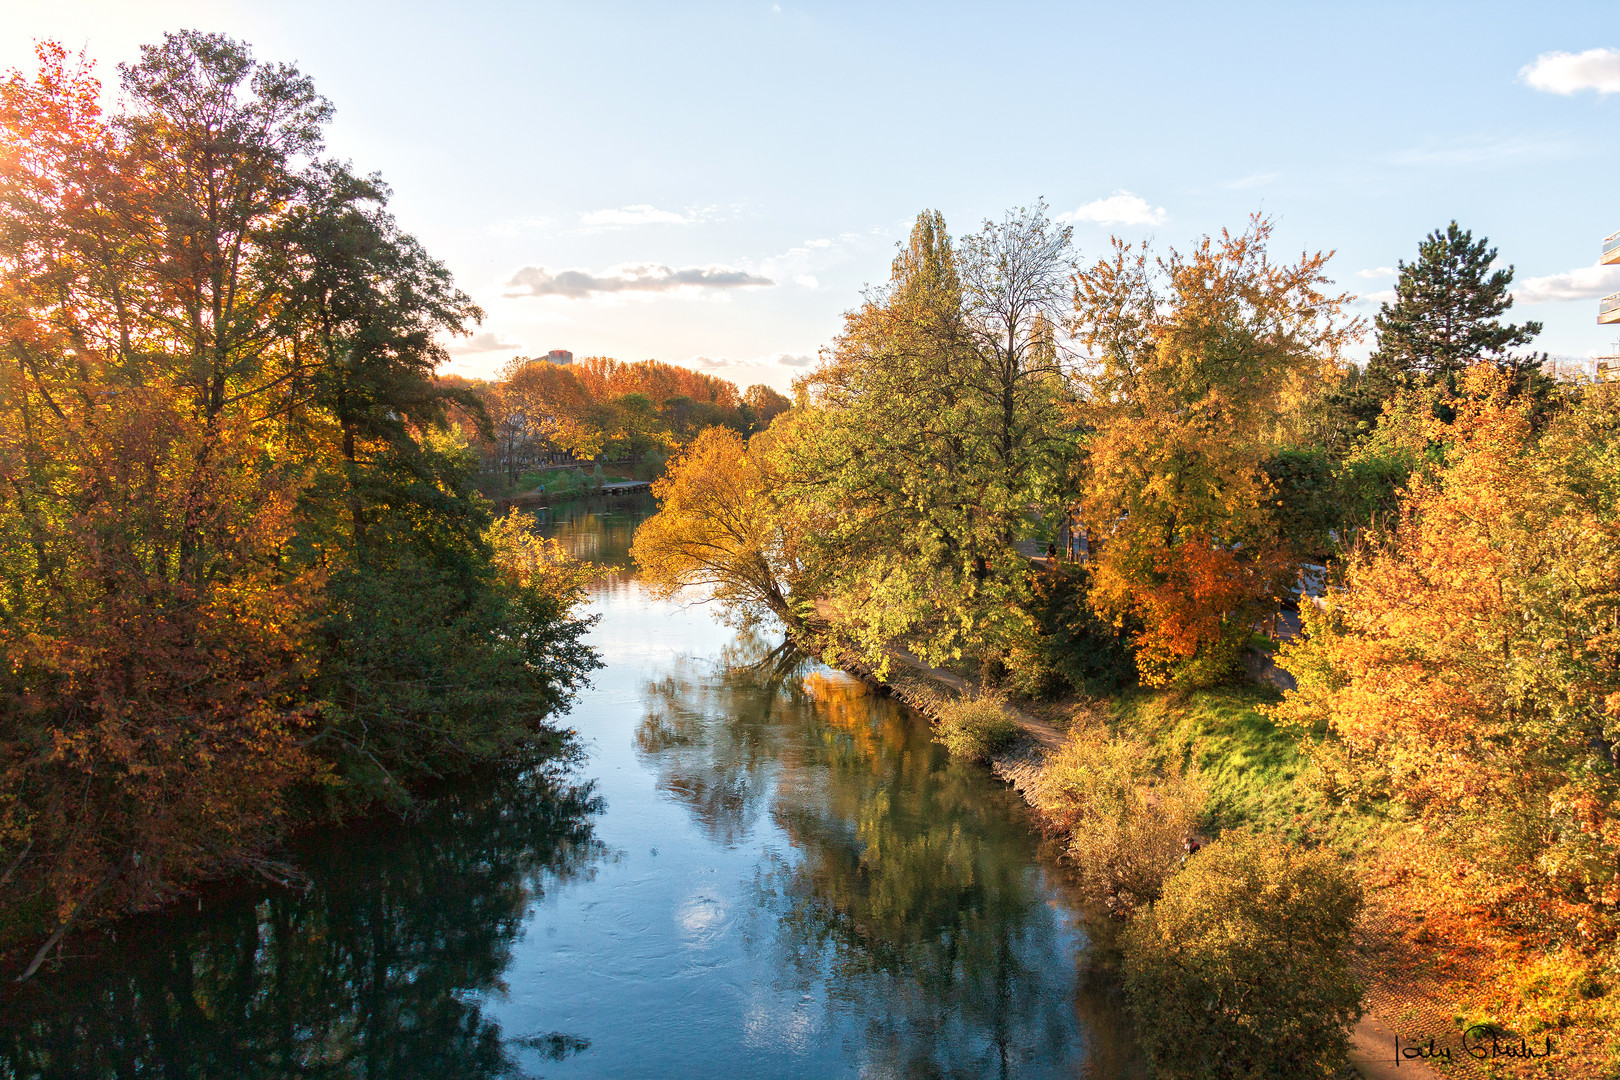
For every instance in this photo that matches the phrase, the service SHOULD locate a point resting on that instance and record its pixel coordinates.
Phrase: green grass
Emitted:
(1255, 772)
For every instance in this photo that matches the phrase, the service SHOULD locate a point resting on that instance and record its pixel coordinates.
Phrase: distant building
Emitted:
(560, 356)
(1568, 368)
(1608, 367)
(1609, 306)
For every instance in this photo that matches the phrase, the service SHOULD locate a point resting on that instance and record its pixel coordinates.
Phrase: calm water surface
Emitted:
(759, 870)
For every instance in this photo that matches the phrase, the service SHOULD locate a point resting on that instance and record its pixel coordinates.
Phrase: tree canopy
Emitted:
(245, 569)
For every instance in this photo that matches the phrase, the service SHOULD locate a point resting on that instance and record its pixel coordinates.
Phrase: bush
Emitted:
(1242, 969)
(1074, 646)
(1126, 825)
(974, 728)
(563, 482)
(652, 466)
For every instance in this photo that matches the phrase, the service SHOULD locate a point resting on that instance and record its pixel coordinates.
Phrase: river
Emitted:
(756, 869)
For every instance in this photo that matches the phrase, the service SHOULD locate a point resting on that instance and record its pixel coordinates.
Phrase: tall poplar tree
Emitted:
(933, 428)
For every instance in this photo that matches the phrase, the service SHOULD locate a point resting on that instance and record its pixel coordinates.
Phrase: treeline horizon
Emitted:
(600, 409)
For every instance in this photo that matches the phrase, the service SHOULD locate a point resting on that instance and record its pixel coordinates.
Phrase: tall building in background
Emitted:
(560, 356)
(1608, 367)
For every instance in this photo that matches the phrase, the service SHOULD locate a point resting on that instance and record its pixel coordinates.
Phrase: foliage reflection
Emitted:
(377, 970)
(911, 899)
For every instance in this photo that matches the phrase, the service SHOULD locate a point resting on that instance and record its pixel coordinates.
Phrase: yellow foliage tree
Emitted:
(1469, 666)
(718, 531)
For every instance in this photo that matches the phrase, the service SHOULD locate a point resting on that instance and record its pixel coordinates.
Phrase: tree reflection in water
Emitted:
(912, 895)
(377, 971)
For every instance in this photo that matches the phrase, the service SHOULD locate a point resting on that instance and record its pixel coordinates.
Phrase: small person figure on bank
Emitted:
(1051, 554)
(1190, 847)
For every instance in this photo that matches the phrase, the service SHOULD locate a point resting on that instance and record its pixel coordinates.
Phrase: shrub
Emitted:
(1242, 969)
(1125, 824)
(974, 727)
(1074, 646)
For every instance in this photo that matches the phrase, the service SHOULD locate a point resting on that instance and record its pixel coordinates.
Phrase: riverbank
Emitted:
(1256, 774)
(531, 499)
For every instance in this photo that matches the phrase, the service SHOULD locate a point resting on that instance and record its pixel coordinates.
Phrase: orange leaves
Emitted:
(1202, 585)
(1196, 605)
(1195, 363)
(1467, 666)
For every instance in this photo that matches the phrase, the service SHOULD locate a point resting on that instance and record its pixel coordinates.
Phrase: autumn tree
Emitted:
(1469, 667)
(722, 530)
(1193, 364)
(241, 550)
(156, 645)
(763, 405)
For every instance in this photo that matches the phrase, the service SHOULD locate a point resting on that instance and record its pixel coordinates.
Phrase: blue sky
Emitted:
(624, 179)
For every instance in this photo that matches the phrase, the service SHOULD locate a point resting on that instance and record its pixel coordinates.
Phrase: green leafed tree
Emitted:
(933, 427)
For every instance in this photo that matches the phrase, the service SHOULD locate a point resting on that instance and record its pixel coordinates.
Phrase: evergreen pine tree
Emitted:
(1446, 316)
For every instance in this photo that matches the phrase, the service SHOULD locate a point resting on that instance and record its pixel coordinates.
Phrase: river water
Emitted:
(758, 869)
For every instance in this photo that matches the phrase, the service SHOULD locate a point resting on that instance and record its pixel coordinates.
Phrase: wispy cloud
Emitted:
(629, 278)
(1253, 180)
(1585, 283)
(785, 359)
(518, 226)
(1568, 73)
(1479, 150)
(1377, 272)
(1375, 299)
(801, 264)
(629, 217)
(1120, 208)
(487, 341)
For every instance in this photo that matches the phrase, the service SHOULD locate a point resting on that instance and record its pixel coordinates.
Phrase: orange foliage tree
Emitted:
(238, 551)
(155, 642)
(1469, 665)
(1195, 363)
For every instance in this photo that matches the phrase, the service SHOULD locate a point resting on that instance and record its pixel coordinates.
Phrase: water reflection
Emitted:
(378, 970)
(597, 528)
(908, 902)
(799, 884)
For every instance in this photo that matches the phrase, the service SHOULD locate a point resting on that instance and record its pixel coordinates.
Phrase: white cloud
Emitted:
(809, 281)
(629, 278)
(487, 341)
(1374, 299)
(792, 360)
(1585, 283)
(1120, 208)
(1377, 272)
(1566, 73)
(626, 217)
